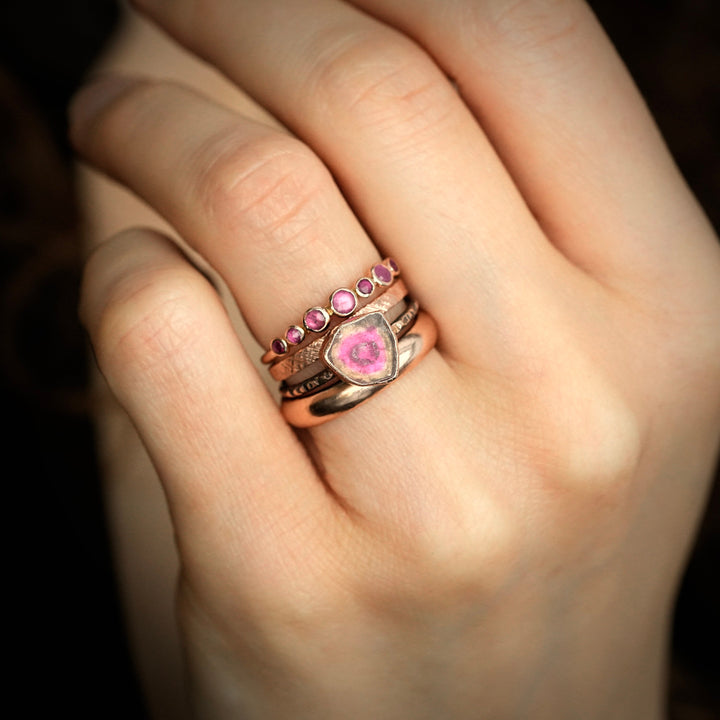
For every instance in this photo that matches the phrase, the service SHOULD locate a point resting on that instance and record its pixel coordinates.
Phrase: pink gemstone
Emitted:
(316, 319)
(278, 346)
(363, 351)
(382, 274)
(343, 302)
(393, 266)
(364, 287)
(295, 335)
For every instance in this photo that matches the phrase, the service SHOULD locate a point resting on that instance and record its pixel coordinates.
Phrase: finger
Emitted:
(167, 348)
(569, 123)
(408, 154)
(256, 203)
(203, 166)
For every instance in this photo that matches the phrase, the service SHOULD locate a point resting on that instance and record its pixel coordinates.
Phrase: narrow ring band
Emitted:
(343, 302)
(321, 407)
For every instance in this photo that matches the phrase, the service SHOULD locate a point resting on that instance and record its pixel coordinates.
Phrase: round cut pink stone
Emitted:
(382, 274)
(343, 302)
(278, 346)
(295, 335)
(393, 266)
(364, 287)
(316, 319)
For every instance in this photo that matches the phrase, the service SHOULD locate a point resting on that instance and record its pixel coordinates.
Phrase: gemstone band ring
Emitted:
(343, 302)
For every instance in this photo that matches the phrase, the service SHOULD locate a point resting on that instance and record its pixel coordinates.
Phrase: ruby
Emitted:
(382, 275)
(393, 266)
(278, 346)
(364, 287)
(295, 335)
(316, 319)
(343, 302)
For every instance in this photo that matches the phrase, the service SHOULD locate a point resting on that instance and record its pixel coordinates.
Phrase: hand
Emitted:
(499, 532)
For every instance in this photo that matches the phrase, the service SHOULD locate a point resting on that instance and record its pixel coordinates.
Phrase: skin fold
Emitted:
(500, 532)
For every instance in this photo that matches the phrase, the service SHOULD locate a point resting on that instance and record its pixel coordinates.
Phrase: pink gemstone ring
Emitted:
(365, 352)
(367, 335)
(343, 303)
(298, 358)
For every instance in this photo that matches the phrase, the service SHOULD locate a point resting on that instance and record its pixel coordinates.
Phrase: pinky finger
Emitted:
(168, 350)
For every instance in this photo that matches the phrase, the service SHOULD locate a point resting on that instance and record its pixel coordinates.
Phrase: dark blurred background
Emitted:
(71, 657)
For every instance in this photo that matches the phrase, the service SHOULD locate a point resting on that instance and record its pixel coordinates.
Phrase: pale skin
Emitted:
(500, 532)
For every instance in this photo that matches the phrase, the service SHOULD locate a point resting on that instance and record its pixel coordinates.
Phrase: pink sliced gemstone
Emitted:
(278, 346)
(382, 274)
(393, 266)
(343, 302)
(363, 351)
(295, 335)
(316, 319)
(364, 287)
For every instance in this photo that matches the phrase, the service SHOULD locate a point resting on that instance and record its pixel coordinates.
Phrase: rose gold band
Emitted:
(341, 397)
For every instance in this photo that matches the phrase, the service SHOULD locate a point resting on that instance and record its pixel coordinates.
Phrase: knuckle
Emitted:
(475, 556)
(382, 82)
(462, 552)
(149, 325)
(565, 413)
(271, 188)
(583, 470)
(588, 438)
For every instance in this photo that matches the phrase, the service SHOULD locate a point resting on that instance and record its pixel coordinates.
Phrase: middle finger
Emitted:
(415, 165)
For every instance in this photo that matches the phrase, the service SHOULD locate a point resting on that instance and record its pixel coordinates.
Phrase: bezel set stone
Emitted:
(295, 334)
(363, 351)
(382, 274)
(278, 346)
(343, 302)
(316, 319)
(364, 287)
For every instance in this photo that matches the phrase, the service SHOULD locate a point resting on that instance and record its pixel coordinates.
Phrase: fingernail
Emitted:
(92, 98)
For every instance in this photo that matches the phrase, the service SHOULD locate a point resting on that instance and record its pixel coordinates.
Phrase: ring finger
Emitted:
(256, 203)
(265, 213)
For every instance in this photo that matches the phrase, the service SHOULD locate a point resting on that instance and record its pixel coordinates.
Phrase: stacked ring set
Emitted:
(345, 352)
